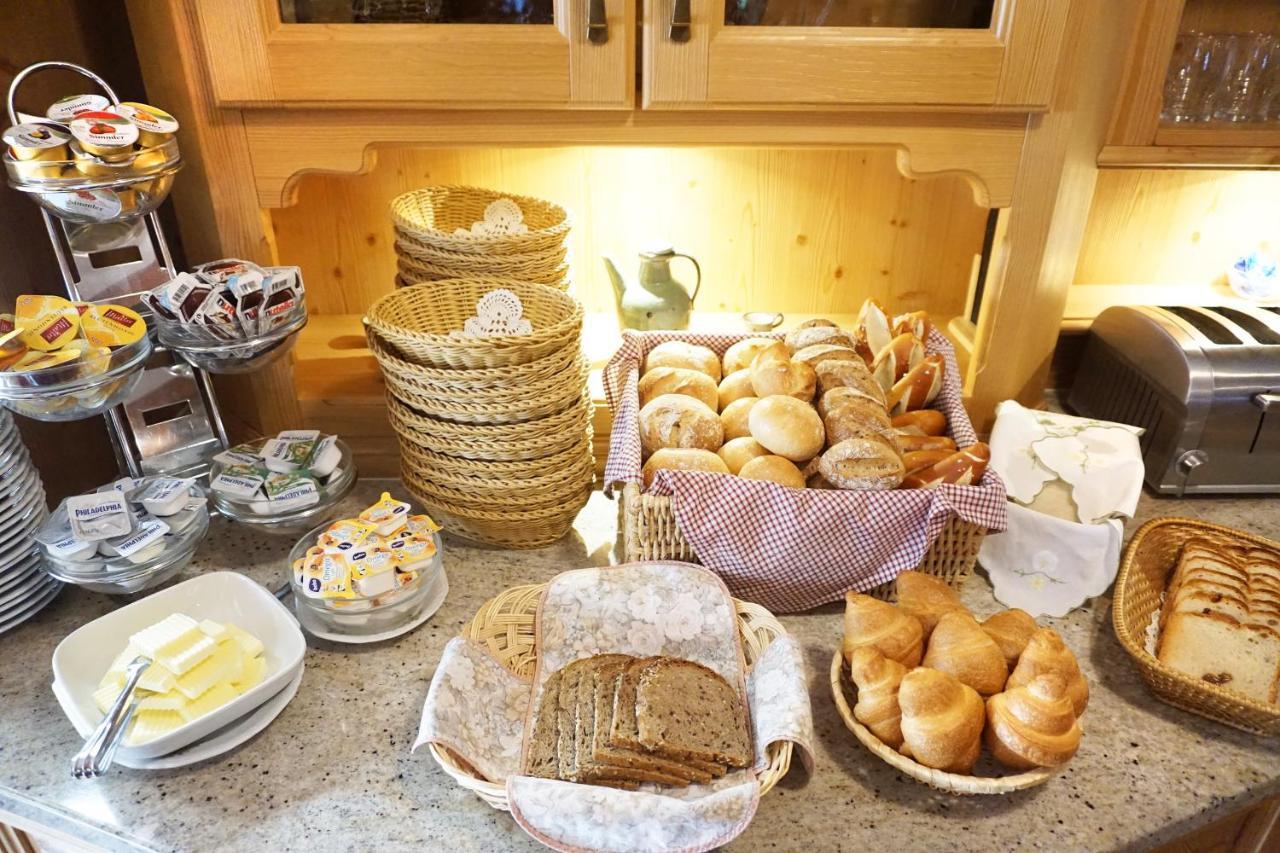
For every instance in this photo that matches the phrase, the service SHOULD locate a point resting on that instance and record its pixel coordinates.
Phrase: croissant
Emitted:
(877, 678)
(942, 720)
(871, 622)
(1033, 725)
(1010, 629)
(927, 598)
(959, 646)
(1046, 654)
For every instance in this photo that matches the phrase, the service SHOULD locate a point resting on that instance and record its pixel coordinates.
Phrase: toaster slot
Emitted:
(1204, 324)
(1267, 438)
(1258, 330)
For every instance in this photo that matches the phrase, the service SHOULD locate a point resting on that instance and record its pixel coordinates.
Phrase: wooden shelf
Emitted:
(1086, 301)
(1220, 134)
(1188, 157)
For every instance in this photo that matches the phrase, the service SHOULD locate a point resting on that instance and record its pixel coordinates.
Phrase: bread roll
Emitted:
(774, 469)
(682, 459)
(918, 387)
(834, 398)
(674, 420)
(958, 645)
(735, 386)
(1012, 630)
(813, 355)
(918, 460)
(773, 372)
(857, 418)
(862, 463)
(892, 363)
(847, 374)
(909, 443)
(678, 380)
(787, 427)
(817, 481)
(917, 323)
(734, 417)
(1046, 654)
(873, 323)
(921, 422)
(928, 598)
(681, 354)
(1034, 725)
(740, 355)
(964, 468)
(878, 678)
(806, 336)
(739, 451)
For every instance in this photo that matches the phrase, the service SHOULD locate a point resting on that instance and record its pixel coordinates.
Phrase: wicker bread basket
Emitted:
(549, 491)
(485, 383)
(503, 528)
(844, 692)
(551, 397)
(418, 321)
(505, 625)
(650, 532)
(568, 420)
(1148, 563)
(476, 485)
(432, 214)
(414, 272)
(410, 248)
(453, 468)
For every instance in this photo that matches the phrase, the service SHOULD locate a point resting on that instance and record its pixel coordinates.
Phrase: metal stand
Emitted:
(170, 424)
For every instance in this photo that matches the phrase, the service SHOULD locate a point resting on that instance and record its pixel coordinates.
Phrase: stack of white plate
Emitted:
(24, 588)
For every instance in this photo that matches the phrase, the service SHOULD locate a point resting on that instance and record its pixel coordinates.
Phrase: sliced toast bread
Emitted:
(542, 759)
(685, 710)
(1221, 651)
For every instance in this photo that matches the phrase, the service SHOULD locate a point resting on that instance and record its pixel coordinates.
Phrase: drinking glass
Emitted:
(1247, 64)
(1184, 87)
(1267, 106)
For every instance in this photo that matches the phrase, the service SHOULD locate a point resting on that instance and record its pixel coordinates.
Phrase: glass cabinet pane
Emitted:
(416, 11)
(938, 14)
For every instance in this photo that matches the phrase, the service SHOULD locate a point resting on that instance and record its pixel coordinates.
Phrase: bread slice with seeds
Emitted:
(684, 710)
(542, 759)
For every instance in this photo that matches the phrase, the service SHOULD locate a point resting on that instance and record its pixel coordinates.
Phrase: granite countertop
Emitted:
(334, 771)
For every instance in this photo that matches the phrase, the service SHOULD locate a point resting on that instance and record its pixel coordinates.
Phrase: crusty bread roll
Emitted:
(918, 460)
(857, 418)
(813, 355)
(847, 374)
(834, 398)
(806, 336)
(817, 481)
(734, 417)
(918, 387)
(775, 469)
(735, 386)
(682, 459)
(891, 363)
(737, 452)
(740, 355)
(678, 380)
(674, 420)
(788, 427)
(773, 372)
(681, 354)
(1033, 725)
(862, 463)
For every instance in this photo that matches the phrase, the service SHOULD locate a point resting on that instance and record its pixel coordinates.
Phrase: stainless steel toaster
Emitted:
(1203, 382)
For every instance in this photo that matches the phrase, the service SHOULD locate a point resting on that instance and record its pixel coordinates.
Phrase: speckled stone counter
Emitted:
(334, 771)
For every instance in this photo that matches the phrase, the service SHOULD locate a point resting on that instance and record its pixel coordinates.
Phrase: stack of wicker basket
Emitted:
(458, 232)
(493, 431)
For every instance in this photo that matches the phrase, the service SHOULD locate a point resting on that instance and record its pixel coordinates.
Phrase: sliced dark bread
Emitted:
(684, 710)
(624, 732)
(566, 717)
(605, 681)
(542, 759)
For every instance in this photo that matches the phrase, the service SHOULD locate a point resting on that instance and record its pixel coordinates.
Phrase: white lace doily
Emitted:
(499, 312)
(501, 218)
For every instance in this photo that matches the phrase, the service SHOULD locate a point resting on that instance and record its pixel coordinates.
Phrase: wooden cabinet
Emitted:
(987, 54)
(263, 53)
(998, 53)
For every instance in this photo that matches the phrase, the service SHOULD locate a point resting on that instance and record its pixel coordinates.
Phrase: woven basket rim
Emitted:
(955, 783)
(568, 508)
(569, 326)
(1136, 647)
(474, 378)
(408, 246)
(498, 468)
(406, 415)
(551, 479)
(556, 218)
(752, 620)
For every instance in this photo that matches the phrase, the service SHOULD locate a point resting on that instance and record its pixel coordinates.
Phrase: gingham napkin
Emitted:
(794, 549)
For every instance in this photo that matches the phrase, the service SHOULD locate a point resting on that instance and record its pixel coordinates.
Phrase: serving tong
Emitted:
(99, 750)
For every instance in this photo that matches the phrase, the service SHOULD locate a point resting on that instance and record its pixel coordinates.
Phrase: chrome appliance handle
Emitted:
(1266, 400)
(597, 22)
(680, 22)
(40, 66)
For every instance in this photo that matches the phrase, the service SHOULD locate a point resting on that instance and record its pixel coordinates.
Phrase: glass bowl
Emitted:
(90, 189)
(119, 576)
(200, 348)
(341, 482)
(78, 389)
(368, 620)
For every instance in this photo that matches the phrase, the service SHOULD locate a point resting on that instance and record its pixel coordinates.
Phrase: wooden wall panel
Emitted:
(1177, 226)
(789, 230)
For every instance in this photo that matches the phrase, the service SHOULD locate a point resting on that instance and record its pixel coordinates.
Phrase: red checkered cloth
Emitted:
(794, 549)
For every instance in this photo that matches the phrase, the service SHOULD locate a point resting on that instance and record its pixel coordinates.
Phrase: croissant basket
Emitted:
(1148, 563)
(431, 215)
(845, 695)
(505, 625)
(418, 321)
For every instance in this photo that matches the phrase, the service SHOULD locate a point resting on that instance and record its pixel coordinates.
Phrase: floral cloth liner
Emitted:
(481, 711)
(794, 549)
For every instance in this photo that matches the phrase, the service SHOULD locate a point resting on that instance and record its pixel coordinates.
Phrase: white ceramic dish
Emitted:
(80, 660)
(16, 617)
(27, 587)
(224, 740)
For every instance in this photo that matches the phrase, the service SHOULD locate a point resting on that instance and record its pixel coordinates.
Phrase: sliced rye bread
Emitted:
(685, 710)
(606, 679)
(623, 731)
(566, 717)
(541, 759)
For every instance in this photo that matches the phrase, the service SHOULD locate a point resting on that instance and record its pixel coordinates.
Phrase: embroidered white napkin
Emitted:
(479, 710)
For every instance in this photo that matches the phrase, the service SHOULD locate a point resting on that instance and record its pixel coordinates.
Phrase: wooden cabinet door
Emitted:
(419, 53)
(823, 53)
